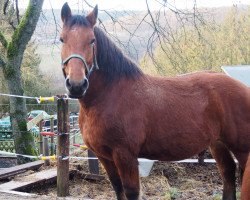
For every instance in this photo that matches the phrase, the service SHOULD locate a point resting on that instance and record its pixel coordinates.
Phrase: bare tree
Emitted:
(146, 28)
(153, 26)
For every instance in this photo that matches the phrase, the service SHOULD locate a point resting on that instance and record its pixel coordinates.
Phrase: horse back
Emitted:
(171, 118)
(192, 111)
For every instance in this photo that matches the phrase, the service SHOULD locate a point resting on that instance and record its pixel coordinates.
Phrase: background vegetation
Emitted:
(209, 48)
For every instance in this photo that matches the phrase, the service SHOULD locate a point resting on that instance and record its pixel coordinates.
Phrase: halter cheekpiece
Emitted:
(78, 56)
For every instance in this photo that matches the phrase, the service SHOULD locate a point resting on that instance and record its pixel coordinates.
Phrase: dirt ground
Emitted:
(180, 181)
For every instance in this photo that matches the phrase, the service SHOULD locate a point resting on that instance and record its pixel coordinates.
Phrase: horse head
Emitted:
(78, 50)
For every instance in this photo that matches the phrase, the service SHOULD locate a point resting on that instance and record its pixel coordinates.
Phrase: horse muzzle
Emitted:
(76, 90)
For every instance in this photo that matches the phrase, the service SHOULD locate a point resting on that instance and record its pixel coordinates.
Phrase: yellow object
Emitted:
(48, 157)
(84, 147)
(43, 99)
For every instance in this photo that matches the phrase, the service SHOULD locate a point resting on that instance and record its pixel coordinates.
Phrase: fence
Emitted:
(6, 134)
(63, 148)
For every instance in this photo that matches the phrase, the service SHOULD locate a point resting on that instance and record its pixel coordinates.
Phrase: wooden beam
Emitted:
(35, 121)
(12, 171)
(94, 177)
(21, 195)
(33, 180)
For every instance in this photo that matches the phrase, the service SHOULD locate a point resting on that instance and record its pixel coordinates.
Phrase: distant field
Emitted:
(133, 39)
(51, 65)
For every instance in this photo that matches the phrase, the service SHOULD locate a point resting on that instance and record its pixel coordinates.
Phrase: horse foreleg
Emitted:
(245, 189)
(114, 178)
(226, 166)
(128, 169)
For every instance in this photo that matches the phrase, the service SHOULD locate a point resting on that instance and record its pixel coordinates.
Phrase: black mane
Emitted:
(112, 61)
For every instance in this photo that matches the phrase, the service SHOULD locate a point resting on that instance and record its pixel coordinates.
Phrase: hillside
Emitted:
(133, 39)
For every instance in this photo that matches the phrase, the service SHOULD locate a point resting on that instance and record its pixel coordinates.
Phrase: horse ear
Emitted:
(92, 16)
(65, 12)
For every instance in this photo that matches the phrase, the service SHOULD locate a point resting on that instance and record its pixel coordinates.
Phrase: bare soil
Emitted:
(180, 181)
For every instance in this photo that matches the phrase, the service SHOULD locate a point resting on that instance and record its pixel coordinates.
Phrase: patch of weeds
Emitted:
(217, 196)
(238, 195)
(167, 195)
(172, 193)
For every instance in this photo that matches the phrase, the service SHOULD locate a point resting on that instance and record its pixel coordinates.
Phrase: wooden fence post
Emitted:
(201, 157)
(52, 143)
(41, 137)
(46, 150)
(93, 164)
(62, 147)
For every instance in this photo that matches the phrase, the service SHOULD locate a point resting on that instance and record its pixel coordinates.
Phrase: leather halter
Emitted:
(78, 56)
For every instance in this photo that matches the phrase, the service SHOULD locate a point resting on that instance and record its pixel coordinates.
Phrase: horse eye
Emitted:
(92, 41)
(61, 40)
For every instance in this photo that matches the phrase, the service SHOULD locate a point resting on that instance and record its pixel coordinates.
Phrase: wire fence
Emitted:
(50, 108)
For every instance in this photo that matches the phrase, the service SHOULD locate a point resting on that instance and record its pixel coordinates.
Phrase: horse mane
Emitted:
(113, 63)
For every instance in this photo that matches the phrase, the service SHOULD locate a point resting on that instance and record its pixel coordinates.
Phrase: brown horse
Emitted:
(126, 114)
(245, 189)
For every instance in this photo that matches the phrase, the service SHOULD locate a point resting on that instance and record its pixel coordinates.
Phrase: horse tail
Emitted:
(245, 189)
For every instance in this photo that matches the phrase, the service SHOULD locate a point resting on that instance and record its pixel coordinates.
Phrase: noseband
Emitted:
(89, 69)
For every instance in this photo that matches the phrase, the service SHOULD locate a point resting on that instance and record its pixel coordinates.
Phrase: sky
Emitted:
(136, 4)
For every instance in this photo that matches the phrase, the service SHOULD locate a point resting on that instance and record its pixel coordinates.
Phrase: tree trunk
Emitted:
(24, 141)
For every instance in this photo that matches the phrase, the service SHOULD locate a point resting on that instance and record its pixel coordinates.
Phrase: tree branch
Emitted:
(2, 63)
(25, 29)
(3, 40)
(17, 12)
(6, 3)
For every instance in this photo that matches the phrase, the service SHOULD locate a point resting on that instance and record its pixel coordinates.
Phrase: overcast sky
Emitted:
(136, 4)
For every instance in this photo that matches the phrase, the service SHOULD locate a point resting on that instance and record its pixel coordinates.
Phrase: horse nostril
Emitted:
(76, 89)
(67, 82)
(85, 83)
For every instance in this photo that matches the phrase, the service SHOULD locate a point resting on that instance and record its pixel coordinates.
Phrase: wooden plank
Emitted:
(94, 177)
(22, 194)
(12, 171)
(29, 180)
(35, 121)
(32, 180)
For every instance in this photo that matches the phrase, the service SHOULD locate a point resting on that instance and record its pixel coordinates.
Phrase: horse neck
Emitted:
(113, 66)
(113, 63)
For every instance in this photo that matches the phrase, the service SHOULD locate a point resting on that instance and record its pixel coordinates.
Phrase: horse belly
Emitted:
(177, 147)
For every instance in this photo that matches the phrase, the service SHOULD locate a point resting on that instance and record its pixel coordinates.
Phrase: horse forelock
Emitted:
(77, 20)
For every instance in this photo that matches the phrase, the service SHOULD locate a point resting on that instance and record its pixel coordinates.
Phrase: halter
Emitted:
(89, 69)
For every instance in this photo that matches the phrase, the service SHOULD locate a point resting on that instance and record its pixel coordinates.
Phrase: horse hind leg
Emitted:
(226, 166)
(114, 178)
(242, 159)
(245, 189)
